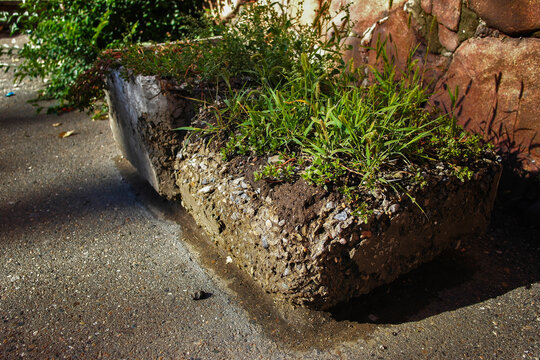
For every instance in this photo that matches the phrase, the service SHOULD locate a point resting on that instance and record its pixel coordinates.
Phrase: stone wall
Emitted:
(488, 49)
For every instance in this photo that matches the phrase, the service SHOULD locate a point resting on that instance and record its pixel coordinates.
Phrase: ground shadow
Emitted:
(63, 205)
(503, 259)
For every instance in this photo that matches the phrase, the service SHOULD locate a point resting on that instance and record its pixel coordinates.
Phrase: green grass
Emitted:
(338, 129)
(286, 90)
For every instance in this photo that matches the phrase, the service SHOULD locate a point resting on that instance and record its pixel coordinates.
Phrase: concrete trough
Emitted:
(318, 258)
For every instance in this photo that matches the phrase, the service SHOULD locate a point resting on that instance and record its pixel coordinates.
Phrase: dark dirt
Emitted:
(299, 202)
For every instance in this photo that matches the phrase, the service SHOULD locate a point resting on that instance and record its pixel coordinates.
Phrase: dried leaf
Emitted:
(366, 234)
(56, 124)
(65, 134)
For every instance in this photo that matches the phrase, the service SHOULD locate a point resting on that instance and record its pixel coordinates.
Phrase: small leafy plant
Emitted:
(66, 36)
(279, 171)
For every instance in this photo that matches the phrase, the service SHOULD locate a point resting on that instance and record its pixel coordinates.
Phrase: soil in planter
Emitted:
(298, 201)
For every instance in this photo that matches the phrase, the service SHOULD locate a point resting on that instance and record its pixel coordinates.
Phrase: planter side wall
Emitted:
(335, 257)
(143, 112)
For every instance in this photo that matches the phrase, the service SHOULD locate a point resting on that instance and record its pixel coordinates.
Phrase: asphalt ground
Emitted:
(94, 265)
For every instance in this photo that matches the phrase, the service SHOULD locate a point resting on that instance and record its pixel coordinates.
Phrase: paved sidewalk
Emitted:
(92, 266)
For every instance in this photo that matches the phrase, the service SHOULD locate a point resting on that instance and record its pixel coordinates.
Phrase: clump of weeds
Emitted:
(283, 88)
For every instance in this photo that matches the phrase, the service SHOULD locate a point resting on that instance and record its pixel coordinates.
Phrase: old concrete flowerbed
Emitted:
(299, 241)
(317, 208)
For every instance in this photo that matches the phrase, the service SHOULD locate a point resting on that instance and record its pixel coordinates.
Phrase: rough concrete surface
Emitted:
(87, 271)
(142, 117)
(301, 243)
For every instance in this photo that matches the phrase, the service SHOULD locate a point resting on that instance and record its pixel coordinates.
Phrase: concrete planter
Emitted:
(317, 260)
(334, 256)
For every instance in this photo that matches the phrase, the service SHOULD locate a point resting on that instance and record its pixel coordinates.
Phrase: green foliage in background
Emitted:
(66, 36)
(263, 45)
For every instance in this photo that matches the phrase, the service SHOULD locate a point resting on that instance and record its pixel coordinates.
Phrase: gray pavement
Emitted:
(94, 265)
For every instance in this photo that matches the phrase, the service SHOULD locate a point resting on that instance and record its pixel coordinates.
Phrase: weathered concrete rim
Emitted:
(331, 259)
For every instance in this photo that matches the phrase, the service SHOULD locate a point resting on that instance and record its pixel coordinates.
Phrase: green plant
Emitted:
(66, 36)
(284, 88)
(282, 171)
(342, 132)
(350, 134)
(262, 47)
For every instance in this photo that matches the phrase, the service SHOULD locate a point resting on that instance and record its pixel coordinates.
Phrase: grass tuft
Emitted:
(283, 88)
